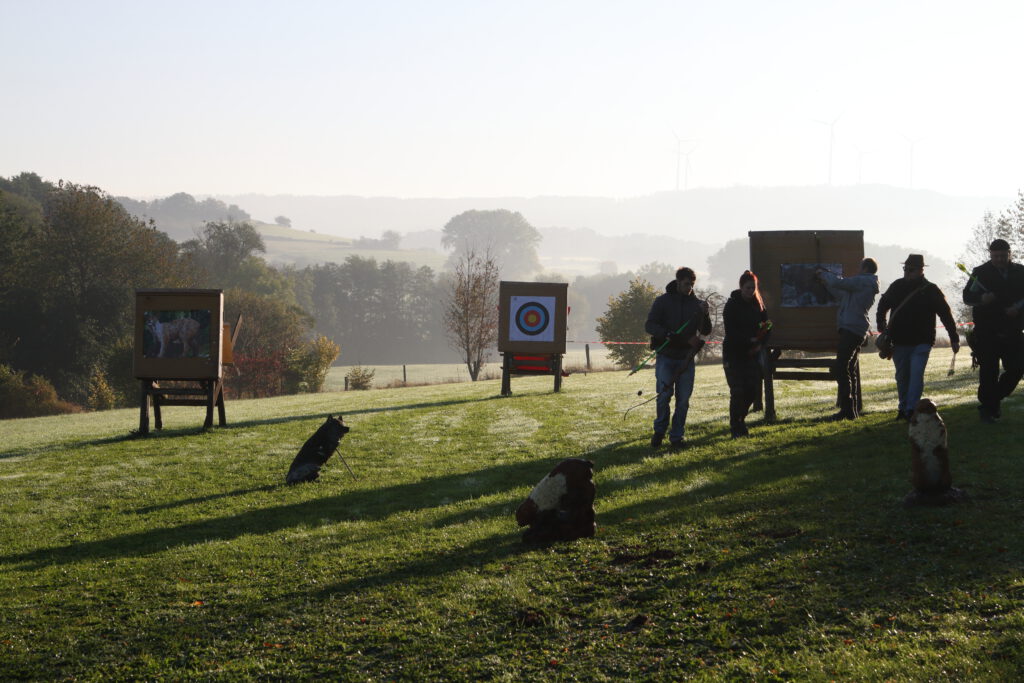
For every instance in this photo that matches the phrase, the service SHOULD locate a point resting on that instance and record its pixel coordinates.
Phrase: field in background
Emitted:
(441, 373)
(286, 245)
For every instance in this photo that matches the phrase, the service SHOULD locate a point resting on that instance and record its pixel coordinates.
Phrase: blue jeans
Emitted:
(667, 372)
(910, 362)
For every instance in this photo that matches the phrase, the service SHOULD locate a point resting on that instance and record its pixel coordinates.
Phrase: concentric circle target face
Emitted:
(532, 318)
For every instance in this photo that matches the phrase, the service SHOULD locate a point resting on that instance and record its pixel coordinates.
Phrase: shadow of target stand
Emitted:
(802, 312)
(531, 330)
(180, 337)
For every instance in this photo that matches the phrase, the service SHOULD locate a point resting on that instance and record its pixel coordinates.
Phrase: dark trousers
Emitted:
(744, 378)
(845, 371)
(991, 349)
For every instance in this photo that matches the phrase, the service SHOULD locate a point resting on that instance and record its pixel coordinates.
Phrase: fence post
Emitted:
(404, 380)
(586, 347)
(346, 382)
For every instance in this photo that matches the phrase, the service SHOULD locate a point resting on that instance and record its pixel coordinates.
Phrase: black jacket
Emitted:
(915, 322)
(668, 312)
(1009, 291)
(742, 320)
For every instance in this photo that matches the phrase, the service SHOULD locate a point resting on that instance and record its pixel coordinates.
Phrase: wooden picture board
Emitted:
(549, 331)
(798, 327)
(205, 360)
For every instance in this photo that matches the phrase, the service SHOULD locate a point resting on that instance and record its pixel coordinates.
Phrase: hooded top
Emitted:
(668, 313)
(742, 321)
(856, 294)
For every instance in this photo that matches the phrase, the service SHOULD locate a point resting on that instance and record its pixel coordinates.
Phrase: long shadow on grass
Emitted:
(359, 505)
(829, 509)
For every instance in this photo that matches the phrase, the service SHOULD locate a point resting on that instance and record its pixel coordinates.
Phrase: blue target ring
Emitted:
(532, 318)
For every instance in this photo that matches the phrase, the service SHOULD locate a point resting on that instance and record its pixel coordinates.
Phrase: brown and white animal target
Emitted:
(929, 458)
(183, 330)
(561, 506)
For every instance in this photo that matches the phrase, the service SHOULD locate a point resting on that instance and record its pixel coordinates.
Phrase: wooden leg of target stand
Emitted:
(506, 374)
(219, 392)
(769, 386)
(556, 365)
(208, 386)
(144, 408)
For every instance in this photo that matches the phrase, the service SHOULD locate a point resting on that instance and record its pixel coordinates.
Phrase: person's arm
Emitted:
(655, 325)
(839, 284)
(884, 304)
(705, 323)
(946, 316)
(973, 290)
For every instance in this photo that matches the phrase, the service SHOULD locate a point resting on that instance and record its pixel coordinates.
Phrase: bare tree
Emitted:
(471, 311)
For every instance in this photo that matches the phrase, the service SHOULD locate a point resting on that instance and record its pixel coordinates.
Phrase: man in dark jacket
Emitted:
(677, 316)
(855, 295)
(915, 302)
(996, 291)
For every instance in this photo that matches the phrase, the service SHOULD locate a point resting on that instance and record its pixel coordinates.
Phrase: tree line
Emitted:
(71, 257)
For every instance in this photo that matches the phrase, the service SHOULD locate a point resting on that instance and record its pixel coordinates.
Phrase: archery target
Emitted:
(532, 318)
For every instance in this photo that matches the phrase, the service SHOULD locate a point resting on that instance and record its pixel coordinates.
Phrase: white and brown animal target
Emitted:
(179, 334)
(561, 506)
(929, 459)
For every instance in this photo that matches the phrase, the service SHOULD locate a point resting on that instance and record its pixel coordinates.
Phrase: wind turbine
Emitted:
(913, 142)
(831, 141)
(679, 157)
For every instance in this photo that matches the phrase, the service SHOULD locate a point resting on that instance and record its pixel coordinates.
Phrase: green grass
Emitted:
(787, 555)
(574, 361)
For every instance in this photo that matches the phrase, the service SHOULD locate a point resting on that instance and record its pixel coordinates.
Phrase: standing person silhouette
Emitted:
(678, 317)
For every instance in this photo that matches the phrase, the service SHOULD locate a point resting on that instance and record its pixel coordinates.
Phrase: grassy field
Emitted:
(784, 556)
(286, 245)
(574, 360)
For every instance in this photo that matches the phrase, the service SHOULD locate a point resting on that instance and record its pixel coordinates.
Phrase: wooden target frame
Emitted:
(532, 319)
(802, 321)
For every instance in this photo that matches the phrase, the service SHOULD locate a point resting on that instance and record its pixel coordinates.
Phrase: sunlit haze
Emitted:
(473, 99)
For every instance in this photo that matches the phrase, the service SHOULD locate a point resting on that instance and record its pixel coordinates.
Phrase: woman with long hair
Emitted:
(746, 326)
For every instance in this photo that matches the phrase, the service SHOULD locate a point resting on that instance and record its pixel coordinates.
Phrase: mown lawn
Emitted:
(784, 556)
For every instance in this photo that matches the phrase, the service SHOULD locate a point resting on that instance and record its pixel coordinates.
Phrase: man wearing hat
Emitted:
(914, 302)
(996, 291)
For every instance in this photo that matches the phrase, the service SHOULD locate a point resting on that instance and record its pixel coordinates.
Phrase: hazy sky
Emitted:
(449, 99)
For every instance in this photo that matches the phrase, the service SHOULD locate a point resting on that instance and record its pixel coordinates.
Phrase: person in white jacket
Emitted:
(856, 295)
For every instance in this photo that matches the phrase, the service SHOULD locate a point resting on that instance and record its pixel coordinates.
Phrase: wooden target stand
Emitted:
(784, 261)
(523, 364)
(777, 368)
(207, 392)
(532, 320)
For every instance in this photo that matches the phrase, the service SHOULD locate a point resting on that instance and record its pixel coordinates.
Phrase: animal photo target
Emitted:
(532, 319)
(176, 334)
(801, 286)
(179, 334)
(802, 311)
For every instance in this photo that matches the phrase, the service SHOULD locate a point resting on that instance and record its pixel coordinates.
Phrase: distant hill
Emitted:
(919, 219)
(295, 247)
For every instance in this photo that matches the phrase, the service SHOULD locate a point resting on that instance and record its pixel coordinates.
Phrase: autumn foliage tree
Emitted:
(471, 311)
